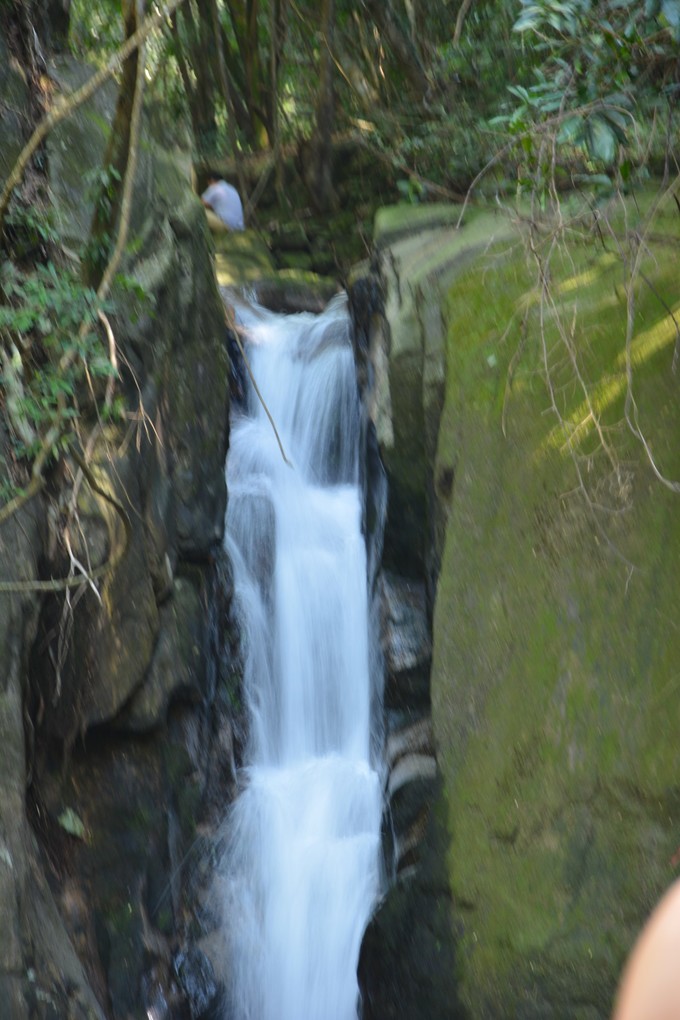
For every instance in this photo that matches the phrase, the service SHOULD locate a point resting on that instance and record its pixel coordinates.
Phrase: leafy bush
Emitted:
(606, 71)
(51, 354)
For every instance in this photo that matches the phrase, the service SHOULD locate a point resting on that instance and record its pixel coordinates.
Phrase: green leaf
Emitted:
(571, 130)
(601, 182)
(617, 122)
(101, 366)
(71, 823)
(23, 320)
(600, 139)
(521, 93)
(670, 15)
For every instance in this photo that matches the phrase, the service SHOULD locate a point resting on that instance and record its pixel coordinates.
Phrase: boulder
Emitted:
(39, 969)
(196, 977)
(177, 668)
(167, 318)
(556, 554)
(553, 659)
(407, 351)
(407, 964)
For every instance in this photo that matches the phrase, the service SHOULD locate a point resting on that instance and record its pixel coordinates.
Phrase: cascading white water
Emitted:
(303, 854)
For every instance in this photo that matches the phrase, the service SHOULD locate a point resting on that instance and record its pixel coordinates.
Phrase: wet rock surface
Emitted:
(556, 746)
(407, 965)
(406, 643)
(196, 978)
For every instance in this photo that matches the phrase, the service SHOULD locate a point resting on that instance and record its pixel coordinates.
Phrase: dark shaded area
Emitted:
(133, 886)
(408, 957)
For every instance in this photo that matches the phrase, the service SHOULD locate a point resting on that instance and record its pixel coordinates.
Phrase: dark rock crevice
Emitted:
(407, 962)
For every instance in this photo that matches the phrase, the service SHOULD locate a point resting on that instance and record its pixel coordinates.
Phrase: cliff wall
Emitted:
(116, 705)
(554, 549)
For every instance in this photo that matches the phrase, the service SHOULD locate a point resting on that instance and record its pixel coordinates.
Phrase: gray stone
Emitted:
(177, 667)
(19, 544)
(416, 738)
(410, 789)
(405, 640)
(197, 980)
(407, 966)
(14, 128)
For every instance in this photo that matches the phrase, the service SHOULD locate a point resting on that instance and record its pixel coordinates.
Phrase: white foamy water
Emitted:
(302, 863)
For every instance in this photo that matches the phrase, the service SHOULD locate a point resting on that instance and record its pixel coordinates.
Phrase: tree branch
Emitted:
(463, 12)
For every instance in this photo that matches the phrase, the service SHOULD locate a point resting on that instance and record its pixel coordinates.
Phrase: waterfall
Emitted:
(302, 862)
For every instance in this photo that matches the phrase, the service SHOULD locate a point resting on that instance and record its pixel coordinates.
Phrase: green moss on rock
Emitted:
(554, 680)
(416, 270)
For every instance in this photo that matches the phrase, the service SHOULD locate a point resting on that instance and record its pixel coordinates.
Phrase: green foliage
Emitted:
(95, 28)
(582, 91)
(605, 70)
(48, 360)
(410, 189)
(29, 231)
(102, 185)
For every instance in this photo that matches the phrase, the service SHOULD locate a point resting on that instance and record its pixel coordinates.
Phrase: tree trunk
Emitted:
(463, 12)
(278, 36)
(399, 43)
(108, 201)
(226, 90)
(244, 15)
(189, 90)
(323, 193)
(203, 106)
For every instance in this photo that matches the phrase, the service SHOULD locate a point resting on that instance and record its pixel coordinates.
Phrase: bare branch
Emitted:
(463, 12)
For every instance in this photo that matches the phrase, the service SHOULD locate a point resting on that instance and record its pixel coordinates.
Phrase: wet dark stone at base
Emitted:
(197, 980)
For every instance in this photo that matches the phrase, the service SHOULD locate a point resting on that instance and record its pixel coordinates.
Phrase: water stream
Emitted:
(302, 863)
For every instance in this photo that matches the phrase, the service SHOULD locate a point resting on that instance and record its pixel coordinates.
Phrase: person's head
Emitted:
(213, 178)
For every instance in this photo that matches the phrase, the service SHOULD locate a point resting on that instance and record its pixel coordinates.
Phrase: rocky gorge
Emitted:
(530, 644)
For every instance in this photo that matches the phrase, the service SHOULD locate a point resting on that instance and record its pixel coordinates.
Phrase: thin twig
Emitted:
(236, 331)
(111, 382)
(117, 551)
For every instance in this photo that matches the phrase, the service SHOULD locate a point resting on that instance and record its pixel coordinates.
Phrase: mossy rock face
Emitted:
(15, 96)
(177, 668)
(19, 537)
(555, 659)
(554, 648)
(415, 265)
(121, 873)
(37, 961)
(393, 223)
(170, 328)
(142, 642)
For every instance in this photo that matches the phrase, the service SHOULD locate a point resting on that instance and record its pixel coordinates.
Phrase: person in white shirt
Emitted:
(224, 205)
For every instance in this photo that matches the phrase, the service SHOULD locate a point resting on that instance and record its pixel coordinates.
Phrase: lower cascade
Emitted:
(302, 863)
